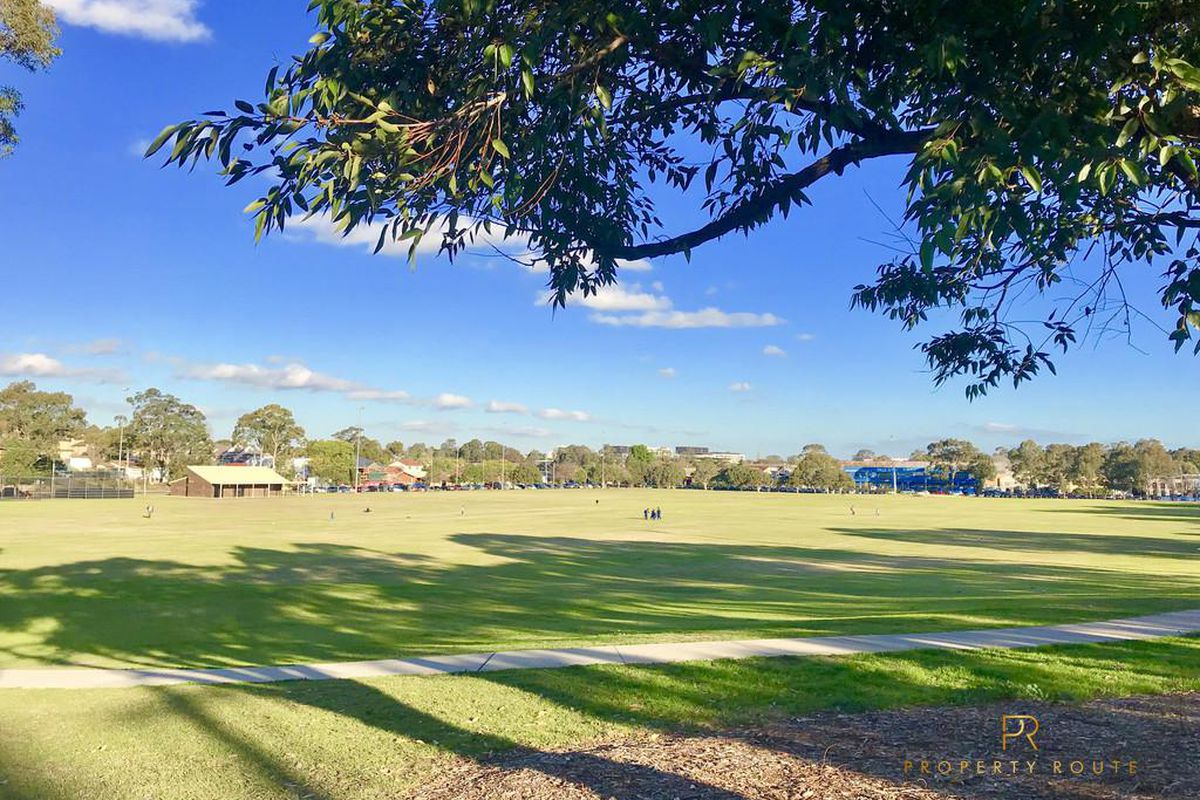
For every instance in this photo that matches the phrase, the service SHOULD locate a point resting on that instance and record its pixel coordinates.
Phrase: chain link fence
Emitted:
(72, 486)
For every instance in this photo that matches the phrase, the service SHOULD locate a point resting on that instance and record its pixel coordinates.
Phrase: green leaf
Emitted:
(1127, 132)
(244, 107)
(604, 95)
(160, 140)
(527, 81)
(500, 147)
(1032, 177)
(927, 253)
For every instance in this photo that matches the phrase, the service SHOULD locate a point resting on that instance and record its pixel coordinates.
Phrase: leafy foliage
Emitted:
(38, 419)
(273, 430)
(27, 34)
(1036, 132)
(167, 433)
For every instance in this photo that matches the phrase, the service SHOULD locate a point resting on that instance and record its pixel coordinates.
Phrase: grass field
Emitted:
(207, 583)
(214, 583)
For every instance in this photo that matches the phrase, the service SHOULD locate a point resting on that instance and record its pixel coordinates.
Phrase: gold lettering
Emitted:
(1030, 766)
(1057, 767)
(1076, 767)
(907, 767)
(949, 768)
(1133, 768)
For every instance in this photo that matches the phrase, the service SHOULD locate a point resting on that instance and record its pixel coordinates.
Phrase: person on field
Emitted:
(646, 514)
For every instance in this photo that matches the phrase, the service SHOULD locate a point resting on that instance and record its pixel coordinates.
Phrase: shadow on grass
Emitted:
(333, 602)
(743, 700)
(1142, 511)
(1038, 541)
(695, 698)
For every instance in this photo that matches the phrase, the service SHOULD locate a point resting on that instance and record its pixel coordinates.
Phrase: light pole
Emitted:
(121, 420)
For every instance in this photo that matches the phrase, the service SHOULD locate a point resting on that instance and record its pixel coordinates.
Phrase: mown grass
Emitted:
(231, 582)
(348, 740)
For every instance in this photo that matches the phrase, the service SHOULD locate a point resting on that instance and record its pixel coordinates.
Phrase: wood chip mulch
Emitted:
(863, 757)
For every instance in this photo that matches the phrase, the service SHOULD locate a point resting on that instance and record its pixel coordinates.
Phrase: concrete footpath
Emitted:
(1118, 630)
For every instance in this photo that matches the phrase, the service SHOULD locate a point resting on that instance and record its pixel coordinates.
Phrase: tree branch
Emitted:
(758, 208)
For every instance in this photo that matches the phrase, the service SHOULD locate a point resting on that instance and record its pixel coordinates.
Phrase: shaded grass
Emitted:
(246, 582)
(347, 740)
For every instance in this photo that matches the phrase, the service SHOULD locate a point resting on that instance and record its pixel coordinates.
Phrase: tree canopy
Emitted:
(167, 433)
(1035, 133)
(27, 34)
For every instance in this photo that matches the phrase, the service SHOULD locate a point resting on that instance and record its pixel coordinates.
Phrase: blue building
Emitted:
(909, 478)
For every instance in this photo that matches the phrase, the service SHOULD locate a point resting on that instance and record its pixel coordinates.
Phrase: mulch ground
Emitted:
(872, 756)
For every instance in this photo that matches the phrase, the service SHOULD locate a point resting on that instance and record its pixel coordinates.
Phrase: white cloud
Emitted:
(40, 365)
(423, 426)
(447, 401)
(290, 376)
(658, 286)
(739, 386)
(96, 347)
(560, 414)
(704, 318)
(499, 407)
(320, 229)
(161, 20)
(1000, 427)
(380, 395)
(774, 351)
(805, 337)
(711, 291)
(668, 372)
(616, 297)
(524, 431)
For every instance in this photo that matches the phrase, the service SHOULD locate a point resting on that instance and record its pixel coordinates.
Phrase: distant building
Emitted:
(907, 476)
(245, 457)
(229, 481)
(691, 451)
(725, 458)
(405, 472)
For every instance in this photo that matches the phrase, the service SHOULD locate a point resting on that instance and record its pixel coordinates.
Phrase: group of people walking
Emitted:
(652, 513)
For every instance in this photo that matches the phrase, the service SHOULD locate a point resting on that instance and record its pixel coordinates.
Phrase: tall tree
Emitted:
(167, 433)
(703, 471)
(273, 430)
(331, 460)
(817, 469)
(1030, 132)
(952, 456)
(27, 34)
(1027, 460)
(1086, 465)
(40, 419)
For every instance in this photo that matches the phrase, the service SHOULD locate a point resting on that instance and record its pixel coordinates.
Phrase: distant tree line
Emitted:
(163, 434)
(1095, 469)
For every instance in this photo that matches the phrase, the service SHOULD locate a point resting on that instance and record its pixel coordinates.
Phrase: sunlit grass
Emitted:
(278, 581)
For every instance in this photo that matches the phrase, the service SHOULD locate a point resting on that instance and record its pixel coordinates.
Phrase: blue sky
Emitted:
(116, 274)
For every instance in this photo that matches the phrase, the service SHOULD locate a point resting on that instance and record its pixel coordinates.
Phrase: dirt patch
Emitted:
(1084, 752)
